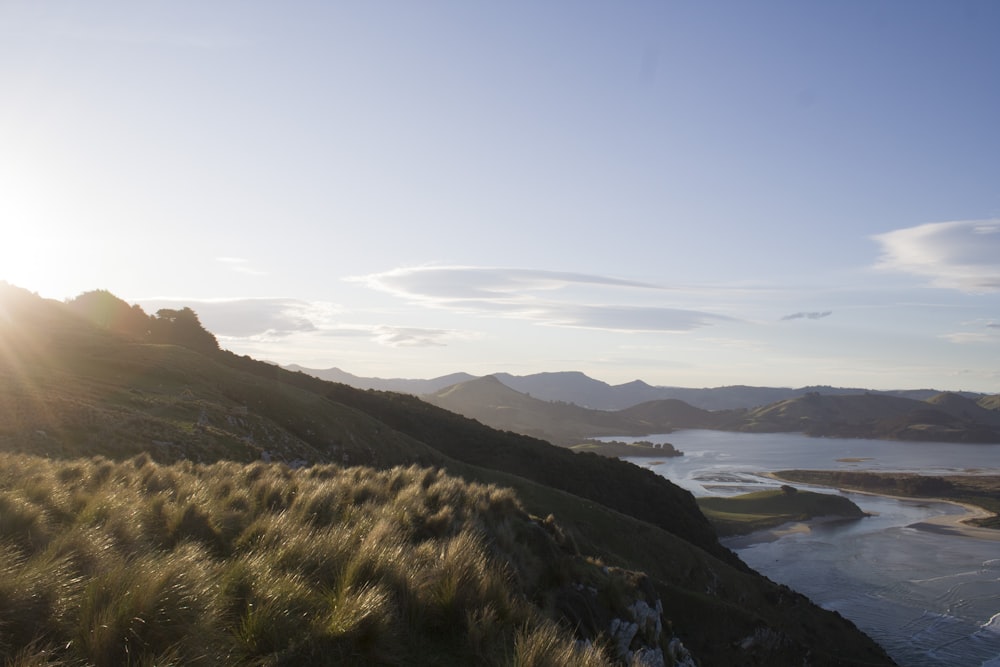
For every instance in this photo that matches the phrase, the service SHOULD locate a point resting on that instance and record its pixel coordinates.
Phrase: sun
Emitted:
(39, 228)
(36, 261)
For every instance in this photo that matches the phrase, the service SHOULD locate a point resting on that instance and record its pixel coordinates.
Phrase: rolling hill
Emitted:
(406, 386)
(942, 418)
(133, 439)
(490, 401)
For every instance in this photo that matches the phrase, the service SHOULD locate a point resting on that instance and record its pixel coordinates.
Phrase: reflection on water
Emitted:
(929, 599)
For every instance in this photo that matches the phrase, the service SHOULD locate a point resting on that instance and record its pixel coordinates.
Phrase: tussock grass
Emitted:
(138, 563)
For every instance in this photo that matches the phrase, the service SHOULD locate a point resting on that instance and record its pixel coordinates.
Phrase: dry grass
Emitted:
(137, 563)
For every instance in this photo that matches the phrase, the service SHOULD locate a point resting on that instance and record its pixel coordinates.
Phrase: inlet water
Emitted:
(927, 598)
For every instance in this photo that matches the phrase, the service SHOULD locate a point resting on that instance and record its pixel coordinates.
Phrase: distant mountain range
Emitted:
(944, 417)
(543, 406)
(584, 391)
(402, 385)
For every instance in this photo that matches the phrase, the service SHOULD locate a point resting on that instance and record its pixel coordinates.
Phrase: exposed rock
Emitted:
(622, 633)
(679, 654)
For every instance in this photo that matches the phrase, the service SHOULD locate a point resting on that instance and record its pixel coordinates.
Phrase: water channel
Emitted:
(928, 598)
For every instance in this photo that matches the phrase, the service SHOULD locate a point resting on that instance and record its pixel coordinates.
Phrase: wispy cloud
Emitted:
(814, 315)
(963, 254)
(470, 283)
(414, 337)
(547, 297)
(240, 265)
(269, 320)
(243, 318)
(964, 337)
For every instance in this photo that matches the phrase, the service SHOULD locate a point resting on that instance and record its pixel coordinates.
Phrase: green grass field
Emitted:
(750, 512)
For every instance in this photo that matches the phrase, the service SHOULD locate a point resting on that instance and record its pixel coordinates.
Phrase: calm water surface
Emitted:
(929, 599)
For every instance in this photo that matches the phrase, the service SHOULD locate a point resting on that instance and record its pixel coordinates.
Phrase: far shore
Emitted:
(948, 524)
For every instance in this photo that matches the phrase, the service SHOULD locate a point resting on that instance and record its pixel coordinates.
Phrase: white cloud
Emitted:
(271, 320)
(245, 318)
(963, 255)
(547, 297)
(965, 337)
(414, 336)
(240, 265)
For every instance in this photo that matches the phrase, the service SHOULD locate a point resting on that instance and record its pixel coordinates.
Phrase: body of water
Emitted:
(927, 598)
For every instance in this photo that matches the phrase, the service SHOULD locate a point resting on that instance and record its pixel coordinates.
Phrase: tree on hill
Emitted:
(175, 327)
(182, 327)
(109, 312)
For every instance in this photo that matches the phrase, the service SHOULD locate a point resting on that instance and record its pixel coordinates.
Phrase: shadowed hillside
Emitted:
(943, 418)
(946, 417)
(110, 557)
(495, 404)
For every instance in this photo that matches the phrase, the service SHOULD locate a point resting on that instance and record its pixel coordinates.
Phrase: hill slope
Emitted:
(73, 389)
(404, 385)
(495, 404)
(944, 418)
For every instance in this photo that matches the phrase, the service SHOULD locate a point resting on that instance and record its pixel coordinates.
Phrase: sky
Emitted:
(688, 193)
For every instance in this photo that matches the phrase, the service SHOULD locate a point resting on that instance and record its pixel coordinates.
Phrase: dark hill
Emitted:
(964, 408)
(495, 404)
(671, 413)
(403, 385)
(946, 418)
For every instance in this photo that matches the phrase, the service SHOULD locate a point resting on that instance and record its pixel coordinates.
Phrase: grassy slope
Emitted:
(76, 391)
(749, 512)
(138, 563)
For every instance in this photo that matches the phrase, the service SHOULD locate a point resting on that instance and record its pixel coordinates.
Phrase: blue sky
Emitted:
(695, 194)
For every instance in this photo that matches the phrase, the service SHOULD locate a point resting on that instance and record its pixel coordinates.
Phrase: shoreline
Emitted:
(947, 524)
(775, 533)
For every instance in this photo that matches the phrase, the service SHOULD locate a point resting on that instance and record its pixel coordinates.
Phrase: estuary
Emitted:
(927, 597)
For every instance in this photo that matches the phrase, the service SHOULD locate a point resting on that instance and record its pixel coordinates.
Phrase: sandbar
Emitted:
(946, 524)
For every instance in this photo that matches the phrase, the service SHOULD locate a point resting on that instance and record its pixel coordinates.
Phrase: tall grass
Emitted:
(136, 563)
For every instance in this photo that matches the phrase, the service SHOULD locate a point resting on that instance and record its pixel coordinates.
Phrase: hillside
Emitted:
(990, 402)
(670, 413)
(73, 390)
(943, 418)
(404, 385)
(946, 417)
(495, 404)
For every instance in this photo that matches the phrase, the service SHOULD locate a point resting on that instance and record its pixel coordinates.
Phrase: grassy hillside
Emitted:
(749, 512)
(137, 563)
(990, 402)
(618, 545)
